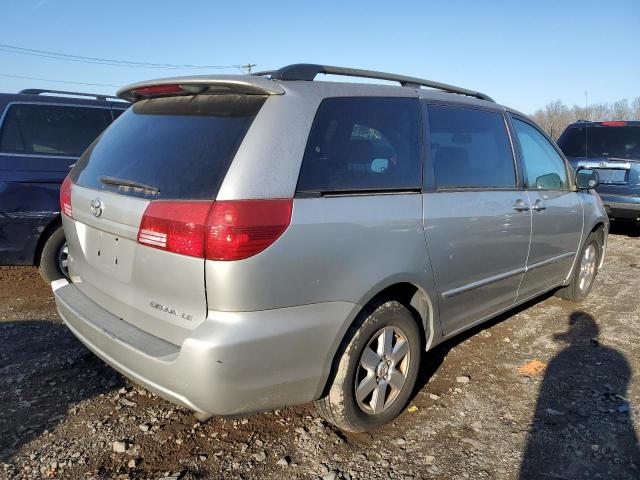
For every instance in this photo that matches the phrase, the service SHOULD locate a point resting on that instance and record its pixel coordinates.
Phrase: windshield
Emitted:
(599, 141)
(169, 148)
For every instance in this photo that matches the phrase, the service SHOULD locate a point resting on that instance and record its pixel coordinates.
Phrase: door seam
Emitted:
(526, 262)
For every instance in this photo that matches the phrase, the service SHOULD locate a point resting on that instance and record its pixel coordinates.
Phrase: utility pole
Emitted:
(248, 67)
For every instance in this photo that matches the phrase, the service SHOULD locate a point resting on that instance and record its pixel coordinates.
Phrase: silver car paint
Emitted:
(108, 265)
(266, 331)
(555, 239)
(332, 244)
(233, 363)
(478, 246)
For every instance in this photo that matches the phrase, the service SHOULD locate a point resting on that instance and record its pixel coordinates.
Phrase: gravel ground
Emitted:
(477, 413)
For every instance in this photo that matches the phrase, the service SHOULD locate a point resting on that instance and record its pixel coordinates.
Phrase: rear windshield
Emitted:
(599, 141)
(169, 148)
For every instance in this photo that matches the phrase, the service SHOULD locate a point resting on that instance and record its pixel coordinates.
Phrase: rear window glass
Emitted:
(470, 149)
(363, 144)
(51, 129)
(169, 148)
(599, 141)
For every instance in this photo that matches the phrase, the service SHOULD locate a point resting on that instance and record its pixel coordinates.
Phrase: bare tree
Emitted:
(620, 110)
(635, 109)
(555, 116)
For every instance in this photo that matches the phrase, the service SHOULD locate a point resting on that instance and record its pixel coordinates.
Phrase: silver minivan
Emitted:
(240, 243)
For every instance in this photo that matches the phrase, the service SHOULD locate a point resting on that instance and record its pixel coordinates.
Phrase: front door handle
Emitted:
(538, 205)
(520, 205)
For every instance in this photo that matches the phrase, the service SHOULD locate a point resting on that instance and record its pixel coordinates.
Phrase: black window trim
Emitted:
(365, 191)
(567, 167)
(48, 104)
(428, 162)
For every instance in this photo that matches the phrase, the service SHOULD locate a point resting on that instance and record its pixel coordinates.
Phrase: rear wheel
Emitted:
(54, 258)
(584, 272)
(377, 369)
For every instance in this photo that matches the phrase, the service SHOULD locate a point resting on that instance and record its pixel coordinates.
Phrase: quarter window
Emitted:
(363, 144)
(544, 167)
(470, 149)
(51, 129)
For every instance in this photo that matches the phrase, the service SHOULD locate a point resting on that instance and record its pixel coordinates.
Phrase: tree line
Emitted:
(555, 116)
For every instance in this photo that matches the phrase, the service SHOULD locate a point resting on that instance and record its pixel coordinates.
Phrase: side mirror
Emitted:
(550, 181)
(587, 178)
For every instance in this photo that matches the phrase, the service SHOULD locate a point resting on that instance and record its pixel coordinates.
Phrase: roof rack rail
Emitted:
(97, 96)
(308, 72)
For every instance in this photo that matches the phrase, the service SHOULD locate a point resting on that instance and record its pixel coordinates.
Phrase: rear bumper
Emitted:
(232, 363)
(622, 206)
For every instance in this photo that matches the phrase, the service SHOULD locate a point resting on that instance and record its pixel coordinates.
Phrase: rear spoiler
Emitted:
(213, 84)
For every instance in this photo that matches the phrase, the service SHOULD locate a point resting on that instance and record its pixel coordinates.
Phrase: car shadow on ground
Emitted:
(625, 227)
(41, 360)
(582, 426)
(432, 361)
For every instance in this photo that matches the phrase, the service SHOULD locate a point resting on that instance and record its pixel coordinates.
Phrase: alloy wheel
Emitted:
(382, 370)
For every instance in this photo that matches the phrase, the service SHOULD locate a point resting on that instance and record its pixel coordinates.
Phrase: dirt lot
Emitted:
(474, 415)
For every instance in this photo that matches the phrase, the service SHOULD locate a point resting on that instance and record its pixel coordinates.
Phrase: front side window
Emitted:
(543, 166)
(363, 144)
(51, 129)
(470, 149)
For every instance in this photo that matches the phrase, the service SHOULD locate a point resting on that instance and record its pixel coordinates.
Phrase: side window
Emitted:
(363, 144)
(51, 129)
(544, 167)
(470, 149)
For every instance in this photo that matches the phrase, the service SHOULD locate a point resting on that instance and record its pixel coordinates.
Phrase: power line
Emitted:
(106, 61)
(58, 81)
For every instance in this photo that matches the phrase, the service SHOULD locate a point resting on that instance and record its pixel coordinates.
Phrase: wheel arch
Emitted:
(51, 227)
(601, 233)
(409, 294)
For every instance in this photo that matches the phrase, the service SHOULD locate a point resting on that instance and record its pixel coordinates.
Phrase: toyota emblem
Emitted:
(96, 207)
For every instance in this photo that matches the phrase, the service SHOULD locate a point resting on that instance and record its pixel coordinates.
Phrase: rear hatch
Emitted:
(611, 148)
(136, 201)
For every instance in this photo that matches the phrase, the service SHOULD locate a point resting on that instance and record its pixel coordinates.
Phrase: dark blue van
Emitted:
(613, 149)
(42, 134)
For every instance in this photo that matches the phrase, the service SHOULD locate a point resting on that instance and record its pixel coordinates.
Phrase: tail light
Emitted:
(225, 230)
(175, 226)
(613, 124)
(164, 90)
(241, 229)
(65, 197)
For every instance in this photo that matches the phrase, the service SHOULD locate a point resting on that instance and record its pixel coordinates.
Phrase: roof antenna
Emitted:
(586, 127)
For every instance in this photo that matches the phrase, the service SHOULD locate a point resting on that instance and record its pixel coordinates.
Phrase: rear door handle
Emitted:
(538, 205)
(520, 205)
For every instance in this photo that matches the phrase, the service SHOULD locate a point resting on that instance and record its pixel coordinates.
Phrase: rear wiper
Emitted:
(123, 182)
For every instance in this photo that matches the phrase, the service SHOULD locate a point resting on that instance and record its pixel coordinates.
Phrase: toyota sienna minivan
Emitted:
(241, 243)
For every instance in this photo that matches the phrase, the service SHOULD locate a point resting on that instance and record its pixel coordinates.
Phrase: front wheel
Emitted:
(377, 369)
(584, 272)
(54, 258)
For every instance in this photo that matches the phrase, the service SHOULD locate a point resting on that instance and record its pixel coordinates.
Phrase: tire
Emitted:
(51, 264)
(375, 324)
(581, 282)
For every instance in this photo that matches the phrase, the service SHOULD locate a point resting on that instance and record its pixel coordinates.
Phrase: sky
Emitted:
(522, 53)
